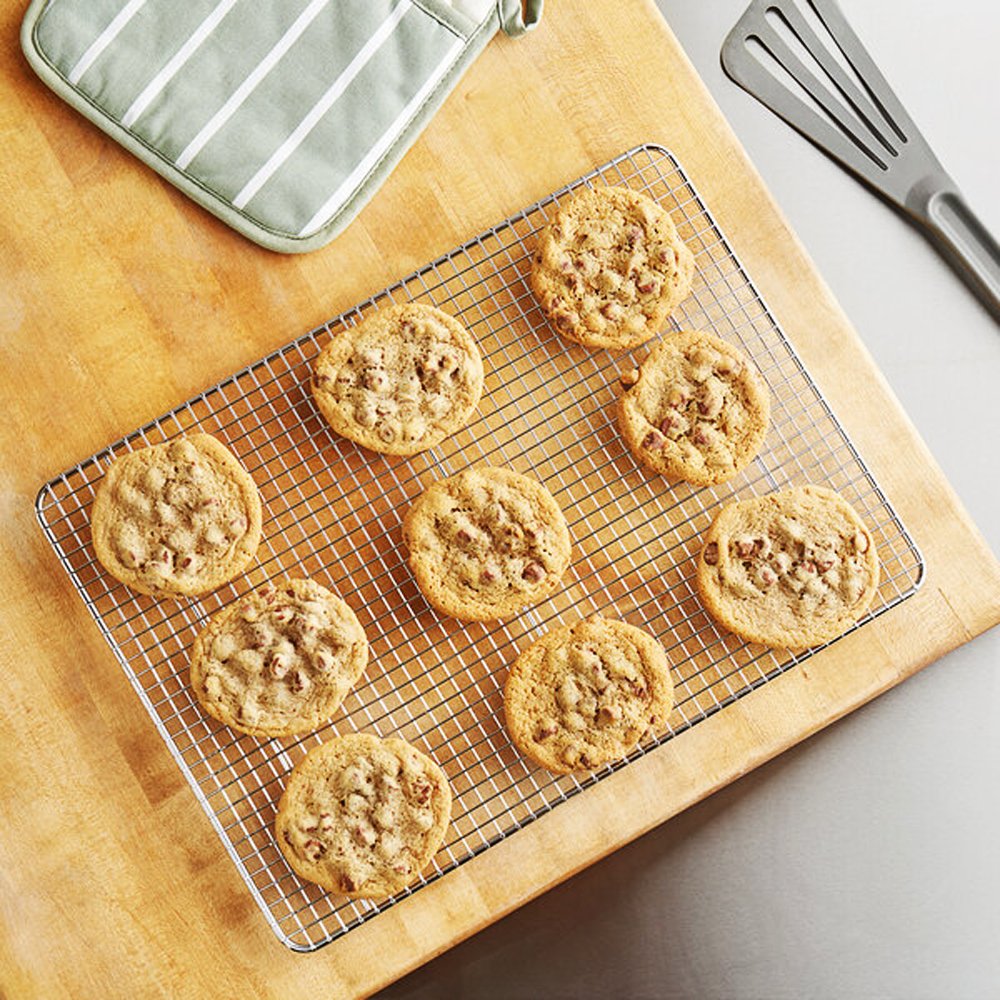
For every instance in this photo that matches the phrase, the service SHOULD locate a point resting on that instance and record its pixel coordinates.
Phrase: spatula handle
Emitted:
(964, 241)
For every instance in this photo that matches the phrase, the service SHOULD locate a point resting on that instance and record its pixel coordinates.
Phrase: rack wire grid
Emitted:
(333, 512)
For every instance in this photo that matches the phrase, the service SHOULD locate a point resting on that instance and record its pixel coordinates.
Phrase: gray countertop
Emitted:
(864, 862)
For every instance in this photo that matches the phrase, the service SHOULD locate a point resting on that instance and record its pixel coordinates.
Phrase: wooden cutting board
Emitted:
(119, 299)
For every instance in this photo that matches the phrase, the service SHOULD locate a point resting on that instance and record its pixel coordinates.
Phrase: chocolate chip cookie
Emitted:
(698, 412)
(610, 268)
(486, 543)
(279, 661)
(363, 816)
(176, 519)
(401, 381)
(791, 569)
(584, 695)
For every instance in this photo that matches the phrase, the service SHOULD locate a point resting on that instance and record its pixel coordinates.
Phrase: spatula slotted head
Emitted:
(803, 60)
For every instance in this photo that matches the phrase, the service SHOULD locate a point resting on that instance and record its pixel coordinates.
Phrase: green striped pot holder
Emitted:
(281, 117)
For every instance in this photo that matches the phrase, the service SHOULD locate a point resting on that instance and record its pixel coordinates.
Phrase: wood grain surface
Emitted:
(119, 299)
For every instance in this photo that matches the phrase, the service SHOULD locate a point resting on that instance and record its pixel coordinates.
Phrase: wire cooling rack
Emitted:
(333, 511)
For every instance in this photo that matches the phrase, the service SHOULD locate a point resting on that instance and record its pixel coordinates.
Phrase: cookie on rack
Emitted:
(401, 381)
(699, 410)
(610, 268)
(279, 661)
(583, 695)
(486, 543)
(177, 519)
(791, 569)
(363, 816)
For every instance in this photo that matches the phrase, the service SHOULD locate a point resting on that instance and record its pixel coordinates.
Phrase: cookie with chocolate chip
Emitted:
(363, 816)
(583, 695)
(486, 543)
(699, 410)
(610, 268)
(177, 519)
(279, 661)
(791, 569)
(401, 381)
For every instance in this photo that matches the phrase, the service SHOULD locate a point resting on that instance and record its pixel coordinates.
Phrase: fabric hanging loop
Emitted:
(515, 19)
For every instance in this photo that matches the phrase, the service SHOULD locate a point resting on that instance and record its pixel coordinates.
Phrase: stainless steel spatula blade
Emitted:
(803, 61)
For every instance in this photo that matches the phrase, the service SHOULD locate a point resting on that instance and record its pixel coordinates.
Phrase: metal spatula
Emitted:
(802, 59)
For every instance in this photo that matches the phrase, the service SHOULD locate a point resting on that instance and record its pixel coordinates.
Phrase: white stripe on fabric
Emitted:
(179, 58)
(388, 137)
(371, 46)
(104, 39)
(287, 40)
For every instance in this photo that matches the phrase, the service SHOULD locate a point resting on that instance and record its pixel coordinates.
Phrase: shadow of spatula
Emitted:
(802, 60)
